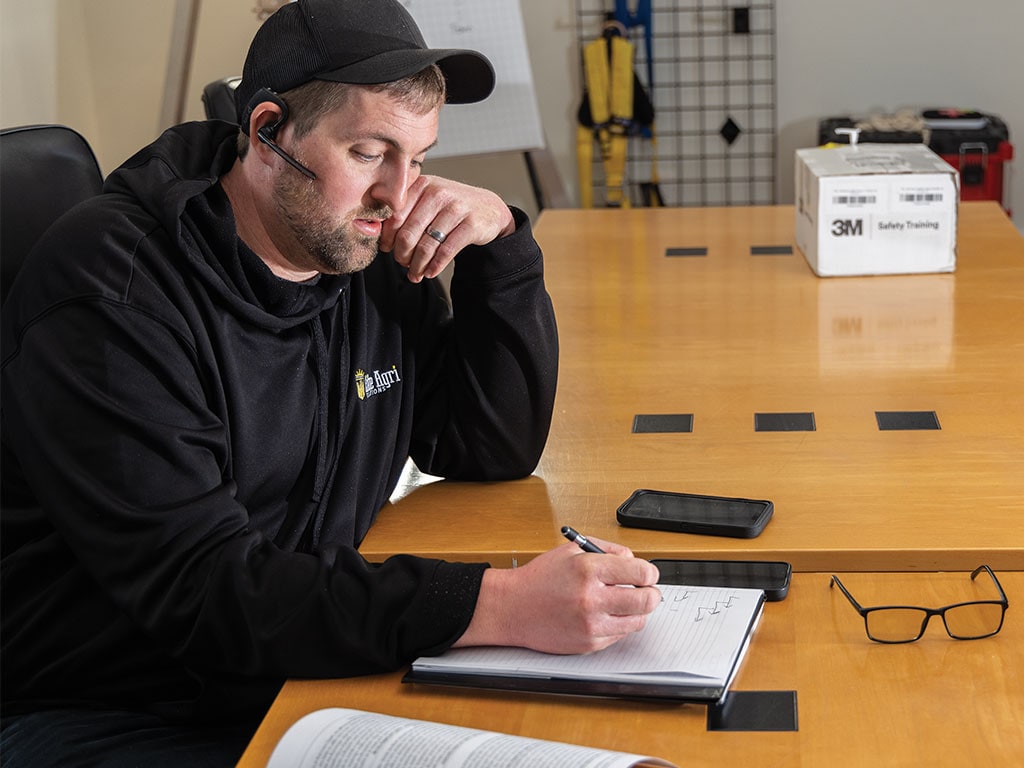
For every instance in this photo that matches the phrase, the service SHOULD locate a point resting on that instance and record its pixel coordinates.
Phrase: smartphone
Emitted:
(771, 576)
(694, 513)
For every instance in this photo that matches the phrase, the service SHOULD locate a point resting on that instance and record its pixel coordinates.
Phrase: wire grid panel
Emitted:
(713, 93)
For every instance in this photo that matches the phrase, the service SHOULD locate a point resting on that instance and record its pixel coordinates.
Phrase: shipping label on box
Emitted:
(876, 209)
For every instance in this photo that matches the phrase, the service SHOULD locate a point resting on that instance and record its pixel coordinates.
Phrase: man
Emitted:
(212, 380)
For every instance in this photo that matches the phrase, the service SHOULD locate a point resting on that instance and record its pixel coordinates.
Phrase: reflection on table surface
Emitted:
(728, 335)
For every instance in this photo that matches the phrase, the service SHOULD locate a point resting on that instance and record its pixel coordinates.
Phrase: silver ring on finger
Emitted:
(437, 234)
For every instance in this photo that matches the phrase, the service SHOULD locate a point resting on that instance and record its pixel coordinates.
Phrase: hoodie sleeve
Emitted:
(486, 388)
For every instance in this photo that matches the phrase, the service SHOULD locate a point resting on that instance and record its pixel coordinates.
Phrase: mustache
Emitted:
(381, 212)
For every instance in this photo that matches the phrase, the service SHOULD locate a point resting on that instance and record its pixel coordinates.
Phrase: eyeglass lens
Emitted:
(963, 622)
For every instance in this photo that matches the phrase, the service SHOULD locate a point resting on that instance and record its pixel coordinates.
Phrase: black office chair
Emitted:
(45, 170)
(219, 99)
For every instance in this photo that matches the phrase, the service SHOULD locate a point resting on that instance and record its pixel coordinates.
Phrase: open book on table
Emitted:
(690, 650)
(347, 738)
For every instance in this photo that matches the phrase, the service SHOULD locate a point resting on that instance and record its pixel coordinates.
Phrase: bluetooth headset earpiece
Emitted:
(267, 133)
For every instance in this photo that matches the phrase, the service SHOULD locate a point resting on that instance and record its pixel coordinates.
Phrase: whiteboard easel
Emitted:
(508, 120)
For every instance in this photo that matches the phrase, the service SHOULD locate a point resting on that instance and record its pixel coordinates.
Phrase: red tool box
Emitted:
(975, 143)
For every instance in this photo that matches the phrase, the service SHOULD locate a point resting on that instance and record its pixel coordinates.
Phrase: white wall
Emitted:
(28, 62)
(99, 65)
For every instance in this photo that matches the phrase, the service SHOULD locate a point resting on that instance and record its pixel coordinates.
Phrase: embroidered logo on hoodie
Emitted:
(370, 384)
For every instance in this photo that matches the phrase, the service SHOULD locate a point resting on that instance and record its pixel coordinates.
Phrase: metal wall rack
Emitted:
(713, 97)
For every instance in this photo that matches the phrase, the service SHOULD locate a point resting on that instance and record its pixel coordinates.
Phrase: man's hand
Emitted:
(457, 214)
(565, 601)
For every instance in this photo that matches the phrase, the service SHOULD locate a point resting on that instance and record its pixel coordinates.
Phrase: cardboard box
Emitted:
(876, 209)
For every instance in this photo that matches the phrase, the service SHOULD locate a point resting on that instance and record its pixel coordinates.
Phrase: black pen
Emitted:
(578, 538)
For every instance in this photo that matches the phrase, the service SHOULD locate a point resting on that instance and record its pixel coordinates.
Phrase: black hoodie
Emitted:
(193, 448)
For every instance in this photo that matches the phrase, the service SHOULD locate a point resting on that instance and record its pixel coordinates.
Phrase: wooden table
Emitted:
(937, 702)
(730, 334)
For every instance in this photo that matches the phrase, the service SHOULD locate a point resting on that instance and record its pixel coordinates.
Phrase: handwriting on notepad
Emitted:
(702, 611)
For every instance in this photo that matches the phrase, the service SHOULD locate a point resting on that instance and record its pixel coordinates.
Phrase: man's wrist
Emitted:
(492, 622)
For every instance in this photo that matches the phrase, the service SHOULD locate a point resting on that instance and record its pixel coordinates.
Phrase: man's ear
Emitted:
(265, 121)
(266, 114)
(262, 98)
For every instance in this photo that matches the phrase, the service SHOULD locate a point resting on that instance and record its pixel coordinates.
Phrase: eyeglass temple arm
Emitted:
(979, 569)
(835, 580)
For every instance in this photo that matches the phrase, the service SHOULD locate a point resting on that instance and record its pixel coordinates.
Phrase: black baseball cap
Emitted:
(352, 41)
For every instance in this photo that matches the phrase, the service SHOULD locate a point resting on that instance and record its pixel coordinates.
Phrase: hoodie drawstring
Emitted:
(323, 409)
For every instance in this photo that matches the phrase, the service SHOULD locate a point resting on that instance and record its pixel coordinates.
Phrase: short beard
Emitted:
(334, 249)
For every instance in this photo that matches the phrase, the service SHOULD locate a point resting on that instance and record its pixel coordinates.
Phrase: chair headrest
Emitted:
(219, 99)
(45, 170)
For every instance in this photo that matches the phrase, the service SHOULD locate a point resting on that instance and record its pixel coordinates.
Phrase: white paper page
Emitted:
(694, 634)
(346, 738)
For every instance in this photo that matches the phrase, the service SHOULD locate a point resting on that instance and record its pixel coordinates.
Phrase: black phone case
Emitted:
(773, 576)
(682, 524)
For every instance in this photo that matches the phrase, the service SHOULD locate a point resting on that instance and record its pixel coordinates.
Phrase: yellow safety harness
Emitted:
(615, 106)
(608, 69)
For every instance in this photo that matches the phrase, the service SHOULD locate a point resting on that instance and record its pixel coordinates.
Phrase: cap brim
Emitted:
(469, 76)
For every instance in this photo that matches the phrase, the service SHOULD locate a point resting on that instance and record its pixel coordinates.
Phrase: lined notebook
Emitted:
(690, 650)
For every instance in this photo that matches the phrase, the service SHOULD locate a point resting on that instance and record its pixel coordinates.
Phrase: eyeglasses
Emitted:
(906, 623)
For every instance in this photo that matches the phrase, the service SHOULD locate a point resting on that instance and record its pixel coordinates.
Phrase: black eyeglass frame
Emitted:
(929, 612)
